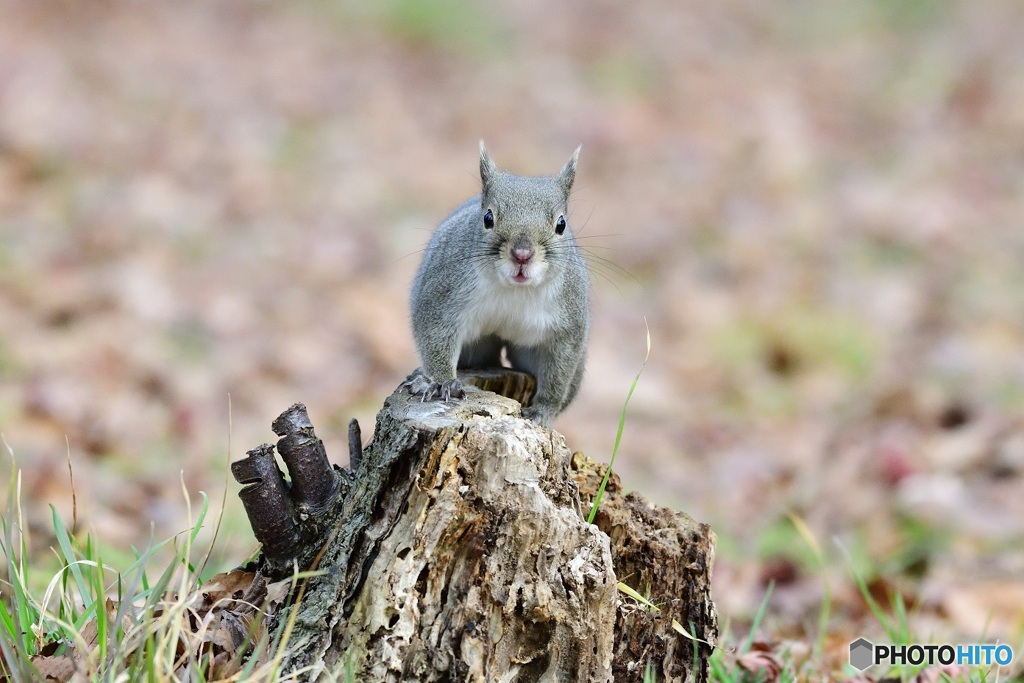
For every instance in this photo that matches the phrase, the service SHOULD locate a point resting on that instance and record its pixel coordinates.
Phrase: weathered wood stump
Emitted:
(456, 549)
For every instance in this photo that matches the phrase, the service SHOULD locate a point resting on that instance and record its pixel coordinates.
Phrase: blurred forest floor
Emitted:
(816, 206)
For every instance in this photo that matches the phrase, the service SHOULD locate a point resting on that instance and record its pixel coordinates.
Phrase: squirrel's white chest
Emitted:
(521, 315)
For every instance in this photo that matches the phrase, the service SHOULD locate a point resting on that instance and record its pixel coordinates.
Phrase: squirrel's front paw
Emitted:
(539, 414)
(427, 389)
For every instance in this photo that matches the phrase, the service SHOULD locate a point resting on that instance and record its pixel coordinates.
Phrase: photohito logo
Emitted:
(864, 653)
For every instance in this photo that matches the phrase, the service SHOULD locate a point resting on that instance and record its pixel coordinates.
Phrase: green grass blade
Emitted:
(826, 603)
(876, 609)
(618, 433)
(23, 614)
(69, 556)
(758, 618)
(649, 675)
(11, 645)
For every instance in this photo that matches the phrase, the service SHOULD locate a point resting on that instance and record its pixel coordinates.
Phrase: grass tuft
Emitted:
(95, 622)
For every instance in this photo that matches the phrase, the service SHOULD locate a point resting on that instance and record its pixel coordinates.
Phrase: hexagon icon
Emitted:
(861, 654)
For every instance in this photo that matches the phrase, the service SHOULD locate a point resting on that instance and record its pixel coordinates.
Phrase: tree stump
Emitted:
(455, 548)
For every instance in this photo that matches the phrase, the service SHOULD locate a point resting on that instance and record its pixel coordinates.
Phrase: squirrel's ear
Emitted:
(568, 172)
(487, 168)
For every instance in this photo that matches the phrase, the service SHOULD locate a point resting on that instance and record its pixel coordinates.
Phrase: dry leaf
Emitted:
(761, 659)
(58, 668)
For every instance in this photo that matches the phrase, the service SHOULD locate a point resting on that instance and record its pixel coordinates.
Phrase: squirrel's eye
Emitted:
(560, 225)
(488, 219)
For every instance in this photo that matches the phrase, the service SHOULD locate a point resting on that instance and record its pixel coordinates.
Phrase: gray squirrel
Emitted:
(503, 271)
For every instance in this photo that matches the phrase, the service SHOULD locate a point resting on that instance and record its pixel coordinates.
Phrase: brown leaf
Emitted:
(226, 614)
(761, 660)
(233, 585)
(90, 632)
(55, 668)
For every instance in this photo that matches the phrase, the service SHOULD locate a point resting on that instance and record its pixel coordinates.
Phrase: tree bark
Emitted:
(457, 550)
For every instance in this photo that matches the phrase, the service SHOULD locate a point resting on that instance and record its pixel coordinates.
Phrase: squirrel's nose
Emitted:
(522, 255)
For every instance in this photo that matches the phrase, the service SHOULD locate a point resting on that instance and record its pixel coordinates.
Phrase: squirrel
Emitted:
(503, 272)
